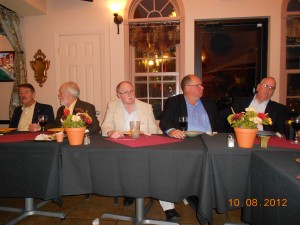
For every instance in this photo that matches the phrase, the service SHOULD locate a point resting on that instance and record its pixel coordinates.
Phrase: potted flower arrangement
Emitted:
(75, 125)
(245, 125)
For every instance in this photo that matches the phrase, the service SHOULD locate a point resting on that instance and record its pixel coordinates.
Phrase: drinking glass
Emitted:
(135, 129)
(43, 119)
(183, 123)
(296, 127)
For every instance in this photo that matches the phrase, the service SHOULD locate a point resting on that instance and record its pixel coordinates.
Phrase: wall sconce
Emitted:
(118, 20)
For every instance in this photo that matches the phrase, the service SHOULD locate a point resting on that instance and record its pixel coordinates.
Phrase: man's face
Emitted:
(126, 93)
(194, 89)
(63, 96)
(265, 89)
(26, 96)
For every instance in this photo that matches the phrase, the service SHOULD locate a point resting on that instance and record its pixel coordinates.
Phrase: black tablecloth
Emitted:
(167, 172)
(226, 175)
(30, 169)
(203, 166)
(274, 189)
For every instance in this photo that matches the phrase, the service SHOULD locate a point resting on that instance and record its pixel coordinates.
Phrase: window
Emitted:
(291, 69)
(154, 38)
(231, 56)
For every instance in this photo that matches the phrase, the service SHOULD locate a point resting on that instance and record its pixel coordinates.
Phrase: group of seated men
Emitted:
(202, 114)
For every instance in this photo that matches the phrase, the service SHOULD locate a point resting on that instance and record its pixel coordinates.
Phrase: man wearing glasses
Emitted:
(201, 112)
(262, 102)
(118, 114)
(127, 108)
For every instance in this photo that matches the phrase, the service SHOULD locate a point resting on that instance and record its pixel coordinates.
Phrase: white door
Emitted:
(81, 60)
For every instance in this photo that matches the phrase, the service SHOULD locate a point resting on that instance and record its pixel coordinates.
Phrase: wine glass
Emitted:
(43, 119)
(183, 123)
(296, 127)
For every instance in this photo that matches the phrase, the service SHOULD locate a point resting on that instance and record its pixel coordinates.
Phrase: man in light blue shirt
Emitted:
(201, 112)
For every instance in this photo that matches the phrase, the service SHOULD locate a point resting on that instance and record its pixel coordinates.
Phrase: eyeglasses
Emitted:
(194, 85)
(268, 86)
(126, 92)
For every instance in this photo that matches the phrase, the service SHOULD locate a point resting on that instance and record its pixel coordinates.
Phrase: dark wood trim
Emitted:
(4, 121)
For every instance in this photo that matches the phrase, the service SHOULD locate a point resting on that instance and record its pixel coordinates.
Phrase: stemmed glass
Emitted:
(183, 123)
(296, 127)
(43, 119)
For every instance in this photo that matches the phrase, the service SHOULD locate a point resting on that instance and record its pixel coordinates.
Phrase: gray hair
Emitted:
(72, 88)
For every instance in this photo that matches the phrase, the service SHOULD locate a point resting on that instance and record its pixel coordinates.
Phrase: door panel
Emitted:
(80, 61)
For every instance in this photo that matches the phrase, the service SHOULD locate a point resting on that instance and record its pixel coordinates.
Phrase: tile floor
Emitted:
(82, 211)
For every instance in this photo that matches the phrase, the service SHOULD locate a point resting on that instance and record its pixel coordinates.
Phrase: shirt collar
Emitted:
(262, 103)
(29, 107)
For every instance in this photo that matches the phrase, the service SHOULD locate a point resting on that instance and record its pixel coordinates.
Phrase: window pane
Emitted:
(160, 4)
(144, 78)
(169, 78)
(140, 67)
(154, 67)
(294, 5)
(293, 105)
(167, 12)
(141, 90)
(169, 65)
(293, 57)
(155, 78)
(155, 90)
(293, 84)
(156, 105)
(140, 12)
(169, 89)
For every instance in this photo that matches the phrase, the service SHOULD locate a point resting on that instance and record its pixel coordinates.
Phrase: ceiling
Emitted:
(26, 7)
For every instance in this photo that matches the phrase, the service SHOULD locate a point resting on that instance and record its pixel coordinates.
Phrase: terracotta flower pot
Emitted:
(245, 137)
(75, 135)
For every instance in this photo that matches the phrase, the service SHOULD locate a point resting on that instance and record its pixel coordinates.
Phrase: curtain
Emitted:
(10, 24)
(152, 39)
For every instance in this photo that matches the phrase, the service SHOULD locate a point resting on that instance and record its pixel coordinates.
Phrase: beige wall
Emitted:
(74, 16)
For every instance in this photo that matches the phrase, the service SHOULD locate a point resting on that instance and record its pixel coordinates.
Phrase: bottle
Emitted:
(230, 141)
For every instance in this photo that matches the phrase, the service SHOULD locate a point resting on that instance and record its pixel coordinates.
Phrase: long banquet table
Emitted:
(202, 166)
(227, 172)
(29, 170)
(167, 172)
(272, 196)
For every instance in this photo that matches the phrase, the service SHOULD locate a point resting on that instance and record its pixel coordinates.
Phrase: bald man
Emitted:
(262, 102)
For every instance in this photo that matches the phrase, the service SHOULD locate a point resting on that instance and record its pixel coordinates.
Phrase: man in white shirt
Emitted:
(127, 108)
(262, 102)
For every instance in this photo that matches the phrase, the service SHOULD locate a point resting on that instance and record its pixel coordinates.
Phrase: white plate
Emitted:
(192, 133)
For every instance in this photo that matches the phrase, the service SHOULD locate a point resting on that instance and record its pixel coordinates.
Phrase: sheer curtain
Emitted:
(10, 23)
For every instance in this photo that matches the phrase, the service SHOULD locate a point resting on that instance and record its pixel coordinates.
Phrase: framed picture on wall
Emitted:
(6, 66)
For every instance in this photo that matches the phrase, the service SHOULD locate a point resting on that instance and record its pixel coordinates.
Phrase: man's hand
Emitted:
(177, 134)
(115, 134)
(34, 127)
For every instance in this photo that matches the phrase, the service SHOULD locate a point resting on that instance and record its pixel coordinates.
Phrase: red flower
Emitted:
(261, 116)
(66, 112)
(88, 121)
(237, 116)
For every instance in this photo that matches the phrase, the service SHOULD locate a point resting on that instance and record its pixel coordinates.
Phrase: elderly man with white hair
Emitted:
(69, 98)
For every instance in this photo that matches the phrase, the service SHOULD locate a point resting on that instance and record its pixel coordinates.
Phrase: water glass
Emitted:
(135, 129)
